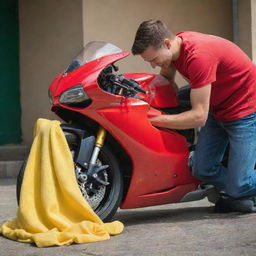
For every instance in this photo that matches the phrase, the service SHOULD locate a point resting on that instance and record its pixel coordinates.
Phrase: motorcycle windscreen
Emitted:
(92, 51)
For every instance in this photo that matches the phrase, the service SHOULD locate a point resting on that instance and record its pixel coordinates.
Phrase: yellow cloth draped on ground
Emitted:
(52, 210)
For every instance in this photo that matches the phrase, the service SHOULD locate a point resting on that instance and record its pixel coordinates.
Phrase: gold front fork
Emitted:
(101, 135)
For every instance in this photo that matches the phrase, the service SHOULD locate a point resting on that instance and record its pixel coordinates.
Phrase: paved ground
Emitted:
(183, 229)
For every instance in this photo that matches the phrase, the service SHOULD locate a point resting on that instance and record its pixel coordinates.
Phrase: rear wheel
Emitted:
(104, 199)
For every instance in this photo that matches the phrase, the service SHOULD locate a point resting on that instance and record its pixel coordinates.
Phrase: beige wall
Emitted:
(244, 26)
(116, 21)
(253, 29)
(50, 35)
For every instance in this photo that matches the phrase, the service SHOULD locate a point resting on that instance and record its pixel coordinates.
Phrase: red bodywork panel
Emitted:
(159, 157)
(161, 93)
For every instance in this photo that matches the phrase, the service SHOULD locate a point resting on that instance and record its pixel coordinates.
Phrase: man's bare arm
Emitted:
(196, 117)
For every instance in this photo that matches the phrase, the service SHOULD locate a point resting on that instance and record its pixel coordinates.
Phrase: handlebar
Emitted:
(132, 83)
(126, 83)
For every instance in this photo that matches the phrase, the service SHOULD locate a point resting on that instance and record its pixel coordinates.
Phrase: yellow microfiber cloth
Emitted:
(52, 210)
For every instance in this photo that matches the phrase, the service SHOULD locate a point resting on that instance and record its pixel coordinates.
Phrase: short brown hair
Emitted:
(150, 33)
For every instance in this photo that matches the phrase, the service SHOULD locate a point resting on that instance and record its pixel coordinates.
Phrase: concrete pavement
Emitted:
(181, 229)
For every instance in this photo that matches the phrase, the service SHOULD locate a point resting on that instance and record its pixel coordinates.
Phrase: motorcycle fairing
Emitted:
(83, 75)
(159, 157)
(160, 173)
(161, 93)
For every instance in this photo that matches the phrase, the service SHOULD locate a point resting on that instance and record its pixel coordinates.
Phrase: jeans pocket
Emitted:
(249, 120)
(251, 116)
(244, 124)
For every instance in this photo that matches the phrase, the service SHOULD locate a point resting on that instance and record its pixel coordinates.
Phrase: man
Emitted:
(223, 100)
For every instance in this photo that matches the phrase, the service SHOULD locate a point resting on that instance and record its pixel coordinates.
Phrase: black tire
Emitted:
(112, 200)
(113, 193)
(19, 180)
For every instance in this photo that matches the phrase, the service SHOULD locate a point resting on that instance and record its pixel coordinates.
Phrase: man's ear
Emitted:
(167, 43)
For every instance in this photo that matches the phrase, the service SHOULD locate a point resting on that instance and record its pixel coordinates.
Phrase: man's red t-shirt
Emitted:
(206, 59)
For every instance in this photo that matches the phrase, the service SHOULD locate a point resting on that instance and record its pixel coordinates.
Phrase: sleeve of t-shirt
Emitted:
(202, 69)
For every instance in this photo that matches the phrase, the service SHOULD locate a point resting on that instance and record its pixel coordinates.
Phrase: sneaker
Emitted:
(227, 204)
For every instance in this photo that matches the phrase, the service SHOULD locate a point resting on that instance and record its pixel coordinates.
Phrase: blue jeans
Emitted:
(239, 178)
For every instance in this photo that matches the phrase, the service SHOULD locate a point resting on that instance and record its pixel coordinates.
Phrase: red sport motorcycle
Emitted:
(120, 159)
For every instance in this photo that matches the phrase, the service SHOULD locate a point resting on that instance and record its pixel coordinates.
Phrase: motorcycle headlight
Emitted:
(75, 96)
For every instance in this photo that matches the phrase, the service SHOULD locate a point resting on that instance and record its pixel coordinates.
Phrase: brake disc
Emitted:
(93, 195)
(95, 199)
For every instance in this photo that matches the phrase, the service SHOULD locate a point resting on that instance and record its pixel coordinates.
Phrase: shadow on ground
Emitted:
(194, 213)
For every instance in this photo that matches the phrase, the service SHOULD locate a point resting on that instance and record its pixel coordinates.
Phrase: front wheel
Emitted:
(104, 199)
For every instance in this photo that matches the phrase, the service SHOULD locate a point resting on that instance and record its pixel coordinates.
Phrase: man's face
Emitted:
(161, 57)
